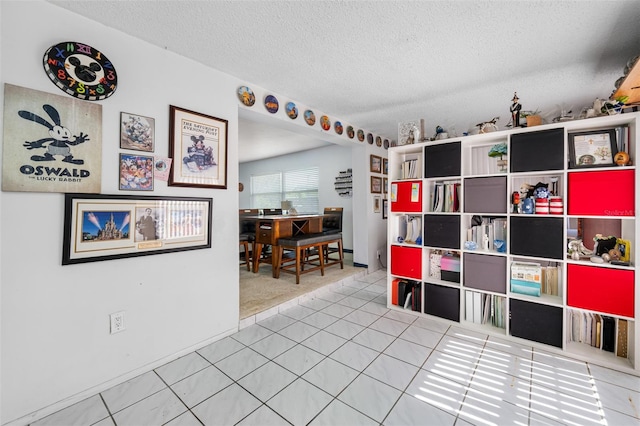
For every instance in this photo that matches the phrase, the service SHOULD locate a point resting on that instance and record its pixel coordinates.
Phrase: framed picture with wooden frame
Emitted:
(385, 185)
(376, 185)
(106, 227)
(375, 164)
(377, 203)
(595, 148)
(198, 147)
(385, 166)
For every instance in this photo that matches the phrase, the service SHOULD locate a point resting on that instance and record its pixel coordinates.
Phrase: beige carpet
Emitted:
(259, 292)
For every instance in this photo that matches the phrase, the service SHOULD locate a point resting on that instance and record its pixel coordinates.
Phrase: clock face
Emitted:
(81, 71)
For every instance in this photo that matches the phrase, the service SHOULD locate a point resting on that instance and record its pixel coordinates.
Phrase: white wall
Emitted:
(329, 160)
(55, 319)
(55, 343)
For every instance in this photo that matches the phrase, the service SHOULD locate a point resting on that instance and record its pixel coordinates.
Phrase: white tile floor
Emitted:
(345, 359)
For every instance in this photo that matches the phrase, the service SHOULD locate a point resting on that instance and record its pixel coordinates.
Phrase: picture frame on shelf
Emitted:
(385, 166)
(136, 172)
(137, 132)
(377, 207)
(594, 148)
(624, 247)
(198, 147)
(385, 208)
(375, 164)
(376, 185)
(101, 227)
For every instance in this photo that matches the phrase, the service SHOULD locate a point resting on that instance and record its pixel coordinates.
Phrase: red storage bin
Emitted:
(601, 193)
(599, 289)
(406, 262)
(403, 202)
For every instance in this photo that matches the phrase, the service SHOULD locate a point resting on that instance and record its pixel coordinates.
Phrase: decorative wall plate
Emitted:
(310, 117)
(361, 135)
(271, 104)
(80, 70)
(292, 110)
(325, 122)
(378, 141)
(370, 138)
(350, 132)
(385, 144)
(337, 126)
(246, 96)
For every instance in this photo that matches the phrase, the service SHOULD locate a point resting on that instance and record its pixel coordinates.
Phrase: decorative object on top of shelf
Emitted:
(361, 135)
(375, 164)
(41, 154)
(410, 132)
(337, 126)
(325, 123)
(595, 148)
(246, 96)
(198, 147)
(309, 117)
(488, 126)
(627, 86)
(441, 133)
(291, 110)
(621, 158)
(515, 111)
(271, 104)
(80, 70)
(350, 132)
(530, 118)
(499, 150)
(136, 132)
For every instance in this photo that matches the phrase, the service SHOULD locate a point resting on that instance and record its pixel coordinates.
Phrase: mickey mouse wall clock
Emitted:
(81, 71)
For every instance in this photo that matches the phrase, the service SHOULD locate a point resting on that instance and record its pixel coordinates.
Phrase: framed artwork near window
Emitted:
(375, 164)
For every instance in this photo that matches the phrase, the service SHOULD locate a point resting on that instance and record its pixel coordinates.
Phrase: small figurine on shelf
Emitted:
(515, 110)
(515, 202)
(440, 133)
(488, 126)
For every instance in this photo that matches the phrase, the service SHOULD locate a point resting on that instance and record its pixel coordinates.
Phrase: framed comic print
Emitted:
(51, 143)
(136, 172)
(106, 227)
(137, 132)
(198, 147)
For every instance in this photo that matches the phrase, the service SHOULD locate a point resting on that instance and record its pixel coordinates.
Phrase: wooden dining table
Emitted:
(269, 228)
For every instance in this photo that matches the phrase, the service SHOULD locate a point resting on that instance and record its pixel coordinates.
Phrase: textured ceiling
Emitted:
(375, 63)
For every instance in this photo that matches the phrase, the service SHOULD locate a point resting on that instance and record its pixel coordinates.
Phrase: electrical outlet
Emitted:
(117, 322)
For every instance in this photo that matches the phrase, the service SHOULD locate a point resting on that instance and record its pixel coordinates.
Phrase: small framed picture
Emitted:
(377, 200)
(375, 165)
(376, 185)
(592, 149)
(136, 172)
(624, 247)
(137, 132)
(385, 185)
(385, 208)
(385, 166)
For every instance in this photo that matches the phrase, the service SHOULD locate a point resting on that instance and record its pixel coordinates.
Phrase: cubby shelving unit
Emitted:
(581, 308)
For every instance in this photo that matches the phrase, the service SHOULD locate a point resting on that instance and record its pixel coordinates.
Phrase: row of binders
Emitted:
(600, 331)
(406, 294)
(482, 308)
(486, 233)
(533, 279)
(410, 169)
(446, 197)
